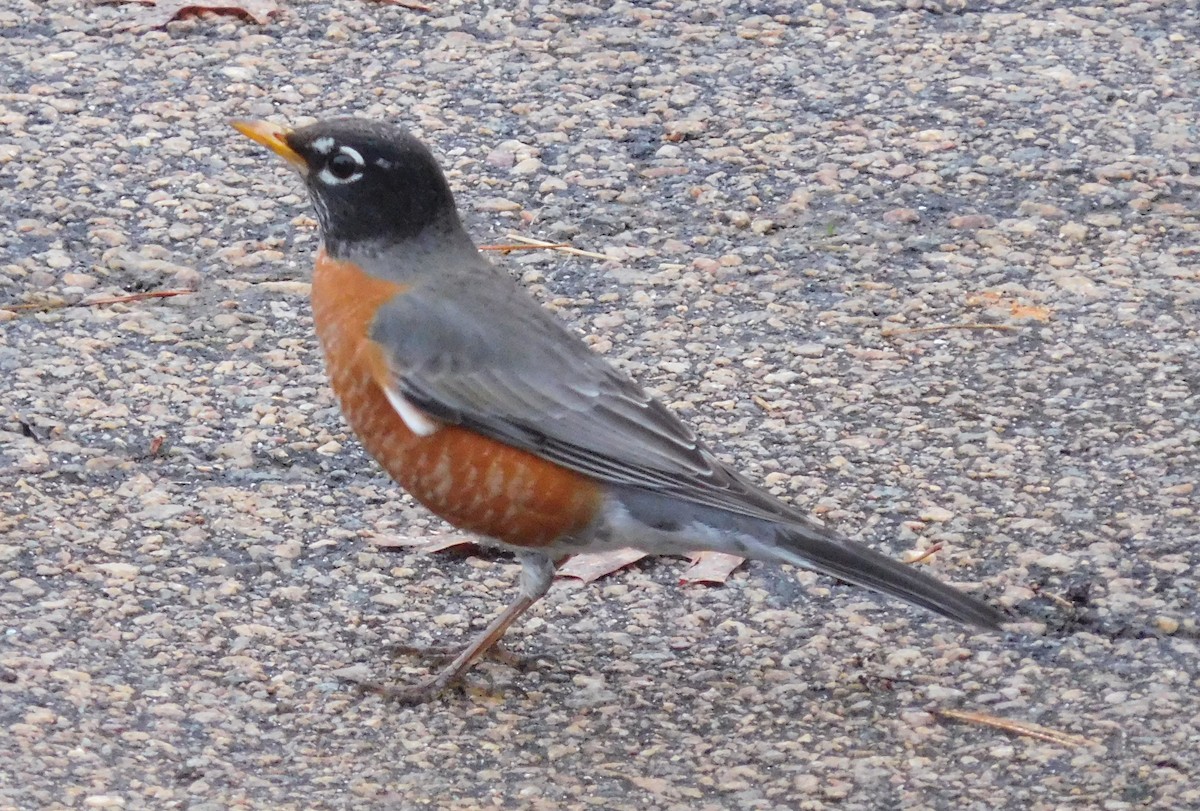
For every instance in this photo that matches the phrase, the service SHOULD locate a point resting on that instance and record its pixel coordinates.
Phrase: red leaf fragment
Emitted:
(160, 12)
(412, 4)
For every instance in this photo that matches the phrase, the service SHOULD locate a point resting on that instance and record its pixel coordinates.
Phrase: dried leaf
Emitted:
(412, 4)
(160, 12)
(710, 567)
(429, 543)
(706, 567)
(595, 565)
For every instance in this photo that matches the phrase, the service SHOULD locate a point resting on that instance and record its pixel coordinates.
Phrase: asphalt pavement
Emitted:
(930, 270)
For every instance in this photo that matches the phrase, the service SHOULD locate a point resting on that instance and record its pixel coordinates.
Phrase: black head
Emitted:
(371, 183)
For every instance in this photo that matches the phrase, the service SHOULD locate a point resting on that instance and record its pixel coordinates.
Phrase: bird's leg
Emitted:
(537, 572)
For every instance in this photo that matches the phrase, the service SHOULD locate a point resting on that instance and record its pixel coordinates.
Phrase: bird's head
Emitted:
(370, 182)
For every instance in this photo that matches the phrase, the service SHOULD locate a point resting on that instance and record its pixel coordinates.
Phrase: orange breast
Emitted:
(475, 483)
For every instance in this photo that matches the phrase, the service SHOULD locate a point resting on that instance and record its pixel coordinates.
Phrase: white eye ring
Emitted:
(327, 176)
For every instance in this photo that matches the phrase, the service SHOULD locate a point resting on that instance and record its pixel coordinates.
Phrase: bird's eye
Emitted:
(343, 166)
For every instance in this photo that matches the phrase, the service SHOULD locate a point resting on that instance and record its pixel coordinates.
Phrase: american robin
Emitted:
(497, 418)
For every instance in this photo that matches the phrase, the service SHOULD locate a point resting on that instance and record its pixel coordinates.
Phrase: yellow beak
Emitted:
(274, 137)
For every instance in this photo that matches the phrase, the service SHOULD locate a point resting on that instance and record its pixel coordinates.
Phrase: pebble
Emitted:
(81, 280)
(901, 215)
(497, 204)
(1168, 625)
(935, 514)
(1058, 562)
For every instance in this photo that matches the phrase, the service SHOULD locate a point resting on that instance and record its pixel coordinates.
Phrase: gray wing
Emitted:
(487, 357)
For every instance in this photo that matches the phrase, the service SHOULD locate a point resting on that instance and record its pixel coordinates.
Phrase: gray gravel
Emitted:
(788, 196)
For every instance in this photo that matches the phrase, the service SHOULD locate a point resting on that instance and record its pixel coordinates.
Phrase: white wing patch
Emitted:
(417, 420)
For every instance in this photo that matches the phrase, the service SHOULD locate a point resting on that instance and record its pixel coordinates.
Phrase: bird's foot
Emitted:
(497, 652)
(406, 695)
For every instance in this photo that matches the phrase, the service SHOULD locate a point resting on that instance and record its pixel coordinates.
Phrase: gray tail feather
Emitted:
(817, 549)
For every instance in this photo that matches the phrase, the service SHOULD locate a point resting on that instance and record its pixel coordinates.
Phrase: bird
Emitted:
(500, 419)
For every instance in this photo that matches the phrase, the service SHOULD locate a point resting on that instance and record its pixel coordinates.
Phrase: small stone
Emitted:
(27, 586)
(497, 204)
(288, 551)
(79, 280)
(1043, 210)
(187, 278)
(901, 215)
(40, 716)
(970, 222)
(1057, 562)
(781, 378)
(676, 131)
(110, 237)
(938, 692)
(243, 73)
(119, 569)
(1103, 220)
(938, 515)
(1079, 285)
(290, 288)
(1073, 231)
(1168, 625)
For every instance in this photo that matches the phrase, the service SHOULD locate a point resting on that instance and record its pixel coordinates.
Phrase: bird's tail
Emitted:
(820, 550)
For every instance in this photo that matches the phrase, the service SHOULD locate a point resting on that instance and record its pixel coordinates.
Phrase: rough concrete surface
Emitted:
(930, 270)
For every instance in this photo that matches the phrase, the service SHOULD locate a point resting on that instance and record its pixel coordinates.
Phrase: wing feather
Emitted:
(489, 358)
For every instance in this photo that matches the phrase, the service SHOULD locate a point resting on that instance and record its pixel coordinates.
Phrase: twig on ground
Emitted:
(892, 333)
(537, 243)
(1025, 728)
(47, 306)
